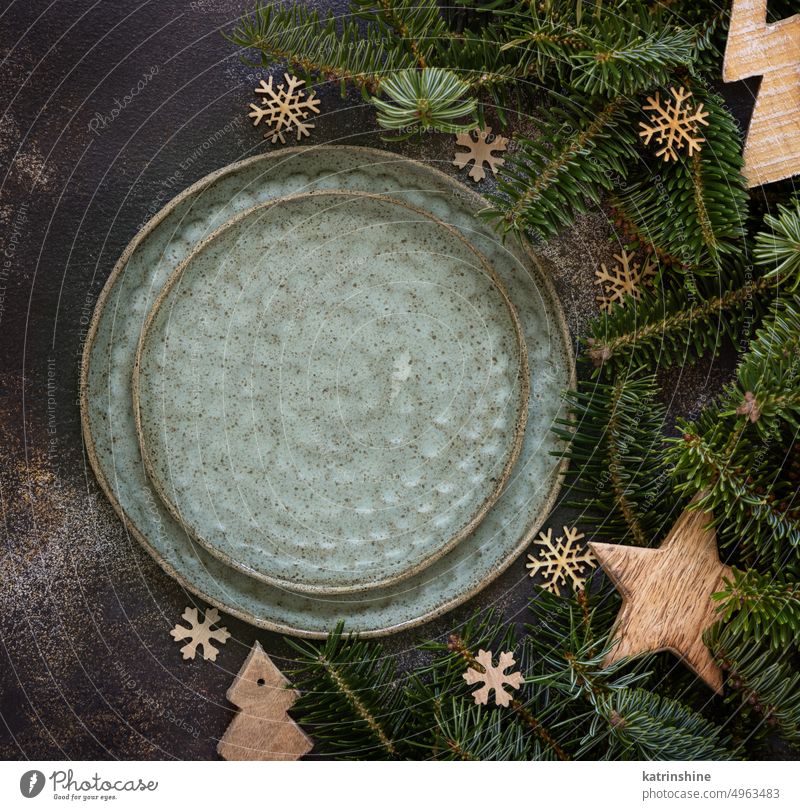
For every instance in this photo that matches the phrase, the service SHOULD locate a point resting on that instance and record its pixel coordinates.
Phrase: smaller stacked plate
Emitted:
(317, 388)
(331, 391)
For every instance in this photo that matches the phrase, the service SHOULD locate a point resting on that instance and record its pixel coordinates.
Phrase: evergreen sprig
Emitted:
(354, 709)
(735, 479)
(616, 473)
(610, 55)
(429, 99)
(762, 688)
(694, 208)
(570, 706)
(736, 450)
(639, 724)
(325, 48)
(417, 25)
(676, 323)
(765, 606)
(624, 61)
(779, 247)
(768, 391)
(580, 149)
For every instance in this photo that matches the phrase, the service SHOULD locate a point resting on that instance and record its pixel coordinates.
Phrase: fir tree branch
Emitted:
(766, 688)
(473, 733)
(630, 62)
(393, 15)
(642, 725)
(616, 464)
(577, 154)
(426, 99)
(764, 606)
(661, 326)
(705, 461)
(337, 676)
(779, 247)
(348, 697)
(310, 46)
(616, 474)
(735, 449)
(707, 223)
(768, 393)
(457, 646)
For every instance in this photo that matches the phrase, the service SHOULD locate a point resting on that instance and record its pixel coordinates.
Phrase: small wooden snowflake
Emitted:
(562, 559)
(493, 677)
(749, 407)
(200, 633)
(480, 150)
(674, 123)
(624, 279)
(285, 108)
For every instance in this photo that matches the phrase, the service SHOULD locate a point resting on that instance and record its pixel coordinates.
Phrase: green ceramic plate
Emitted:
(107, 408)
(331, 391)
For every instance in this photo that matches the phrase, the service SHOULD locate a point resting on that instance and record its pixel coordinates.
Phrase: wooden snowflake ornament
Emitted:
(626, 278)
(675, 124)
(200, 634)
(562, 559)
(480, 151)
(493, 678)
(262, 730)
(772, 51)
(285, 108)
(666, 594)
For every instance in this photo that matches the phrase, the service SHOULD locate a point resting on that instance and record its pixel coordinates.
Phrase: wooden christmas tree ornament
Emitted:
(772, 148)
(262, 730)
(666, 594)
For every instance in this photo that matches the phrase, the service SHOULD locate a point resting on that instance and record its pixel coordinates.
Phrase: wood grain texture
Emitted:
(772, 149)
(262, 730)
(666, 594)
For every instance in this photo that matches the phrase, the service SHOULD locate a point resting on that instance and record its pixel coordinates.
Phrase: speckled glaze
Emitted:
(107, 408)
(331, 391)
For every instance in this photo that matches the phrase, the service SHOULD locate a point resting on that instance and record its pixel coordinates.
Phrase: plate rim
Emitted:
(128, 523)
(522, 400)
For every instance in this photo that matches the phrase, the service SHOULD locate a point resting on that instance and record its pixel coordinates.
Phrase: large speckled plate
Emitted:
(107, 408)
(331, 391)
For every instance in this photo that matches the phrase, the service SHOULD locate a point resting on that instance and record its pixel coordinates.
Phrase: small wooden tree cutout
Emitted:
(200, 633)
(262, 730)
(493, 678)
(480, 150)
(772, 148)
(666, 594)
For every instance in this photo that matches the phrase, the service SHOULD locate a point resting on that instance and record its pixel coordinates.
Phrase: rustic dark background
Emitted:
(87, 667)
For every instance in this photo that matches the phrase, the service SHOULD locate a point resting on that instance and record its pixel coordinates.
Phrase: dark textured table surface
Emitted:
(87, 666)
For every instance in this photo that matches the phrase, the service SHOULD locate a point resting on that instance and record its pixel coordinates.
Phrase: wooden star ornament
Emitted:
(666, 594)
